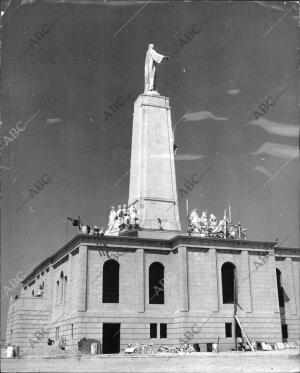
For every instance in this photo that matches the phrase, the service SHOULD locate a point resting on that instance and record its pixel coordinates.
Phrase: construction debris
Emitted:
(151, 348)
(264, 346)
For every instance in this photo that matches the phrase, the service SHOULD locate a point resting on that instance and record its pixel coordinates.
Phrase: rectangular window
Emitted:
(153, 330)
(285, 333)
(196, 347)
(57, 293)
(57, 332)
(65, 289)
(72, 331)
(228, 330)
(163, 330)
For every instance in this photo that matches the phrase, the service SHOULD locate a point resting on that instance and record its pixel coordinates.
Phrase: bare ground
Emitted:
(254, 362)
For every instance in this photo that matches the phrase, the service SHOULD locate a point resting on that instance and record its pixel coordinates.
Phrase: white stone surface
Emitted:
(152, 173)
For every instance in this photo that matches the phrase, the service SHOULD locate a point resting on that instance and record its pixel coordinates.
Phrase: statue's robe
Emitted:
(133, 217)
(152, 58)
(111, 219)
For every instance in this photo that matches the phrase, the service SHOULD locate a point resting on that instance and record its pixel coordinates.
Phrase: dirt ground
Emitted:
(254, 362)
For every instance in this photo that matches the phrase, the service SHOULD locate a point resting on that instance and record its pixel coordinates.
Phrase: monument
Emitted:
(146, 281)
(152, 189)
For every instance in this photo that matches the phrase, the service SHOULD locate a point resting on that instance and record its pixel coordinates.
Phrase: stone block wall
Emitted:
(26, 318)
(193, 295)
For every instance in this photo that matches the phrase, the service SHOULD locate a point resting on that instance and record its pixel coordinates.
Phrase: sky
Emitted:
(65, 150)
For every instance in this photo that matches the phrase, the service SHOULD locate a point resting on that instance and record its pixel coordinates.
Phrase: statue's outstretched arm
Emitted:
(156, 56)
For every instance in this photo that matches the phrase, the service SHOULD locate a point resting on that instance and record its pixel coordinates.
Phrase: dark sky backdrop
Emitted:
(220, 78)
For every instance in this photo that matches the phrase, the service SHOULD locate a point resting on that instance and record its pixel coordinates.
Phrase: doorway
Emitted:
(111, 338)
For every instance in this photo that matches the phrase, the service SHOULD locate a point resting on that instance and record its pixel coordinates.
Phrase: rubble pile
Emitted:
(151, 348)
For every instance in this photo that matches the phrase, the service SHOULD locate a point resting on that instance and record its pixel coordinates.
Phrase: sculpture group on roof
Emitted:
(209, 227)
(125, 218)
(122, 219)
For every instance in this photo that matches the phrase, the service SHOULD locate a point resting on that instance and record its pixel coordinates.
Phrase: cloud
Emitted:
(201, 115)
(269, 6)
(279, 8)
(6, 168)
(188, 157)
(233, 91)
(178, 157)
(263, 170)
(278, 150)
(281, 129)
(51, 121)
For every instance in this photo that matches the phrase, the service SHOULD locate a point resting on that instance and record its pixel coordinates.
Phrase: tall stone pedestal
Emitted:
(152, 187)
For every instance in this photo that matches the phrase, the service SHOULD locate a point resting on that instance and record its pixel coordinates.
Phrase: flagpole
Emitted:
(187, 214)
(225, 224)
(235, 307)
(67, 238)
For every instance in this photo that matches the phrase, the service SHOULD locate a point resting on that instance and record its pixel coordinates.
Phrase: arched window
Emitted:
(280, 288)
(228, 274)
(156, 283)
(61, 283)
(110, 292)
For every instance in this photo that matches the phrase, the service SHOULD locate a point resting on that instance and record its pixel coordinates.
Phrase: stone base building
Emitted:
(155, 285)
(158, 288)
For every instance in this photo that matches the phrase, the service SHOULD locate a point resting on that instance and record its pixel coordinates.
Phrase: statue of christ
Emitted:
(152, 59)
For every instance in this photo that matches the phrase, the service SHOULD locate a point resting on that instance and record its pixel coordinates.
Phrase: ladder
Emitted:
(244, 333)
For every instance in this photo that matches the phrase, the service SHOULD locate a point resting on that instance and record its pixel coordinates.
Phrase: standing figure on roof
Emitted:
(212, 224)
(112, 218)
(152, 59)
(203, 224)
(133, 216)
(126, 217)
(119, 211)
(222, 228)
(194, 216)
(126, 221)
